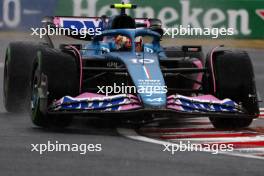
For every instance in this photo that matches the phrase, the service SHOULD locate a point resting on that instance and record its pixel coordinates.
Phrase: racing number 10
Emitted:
(141, 61)
(11, 10)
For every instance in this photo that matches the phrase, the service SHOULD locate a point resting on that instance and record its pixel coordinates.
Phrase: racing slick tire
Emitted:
(61, 78)
(17, 74)
(234, 79)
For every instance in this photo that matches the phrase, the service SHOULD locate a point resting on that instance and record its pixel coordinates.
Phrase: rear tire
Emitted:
(61, 72)
(234, 79)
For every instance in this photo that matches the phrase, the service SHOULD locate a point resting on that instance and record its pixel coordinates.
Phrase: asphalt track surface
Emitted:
(120, 155)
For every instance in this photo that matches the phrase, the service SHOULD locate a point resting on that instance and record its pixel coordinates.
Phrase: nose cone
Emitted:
(148, 79)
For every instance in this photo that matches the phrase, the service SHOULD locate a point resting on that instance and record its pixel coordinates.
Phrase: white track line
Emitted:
(132, 134)
(243, 155)
(259, 149)
(224, 139)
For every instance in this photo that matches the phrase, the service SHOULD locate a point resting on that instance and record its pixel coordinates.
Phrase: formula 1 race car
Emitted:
(80, 79)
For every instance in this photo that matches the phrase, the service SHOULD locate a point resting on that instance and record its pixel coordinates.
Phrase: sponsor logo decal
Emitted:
(260, 13)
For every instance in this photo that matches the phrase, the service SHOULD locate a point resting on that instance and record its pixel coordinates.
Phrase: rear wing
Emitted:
(90, 25)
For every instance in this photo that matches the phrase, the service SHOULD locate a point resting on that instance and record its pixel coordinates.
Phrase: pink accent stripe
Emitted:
(199, 78)
(56, 21)
(81, 66)
(219, 135)
(212, 66)
(146, 71)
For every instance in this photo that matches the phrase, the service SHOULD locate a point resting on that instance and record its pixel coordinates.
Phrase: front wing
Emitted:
(127, 104)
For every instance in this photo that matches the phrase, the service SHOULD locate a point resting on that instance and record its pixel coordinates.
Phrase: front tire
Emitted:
(230, 123)
(60, 72)
(17, 75)
(234, 79)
